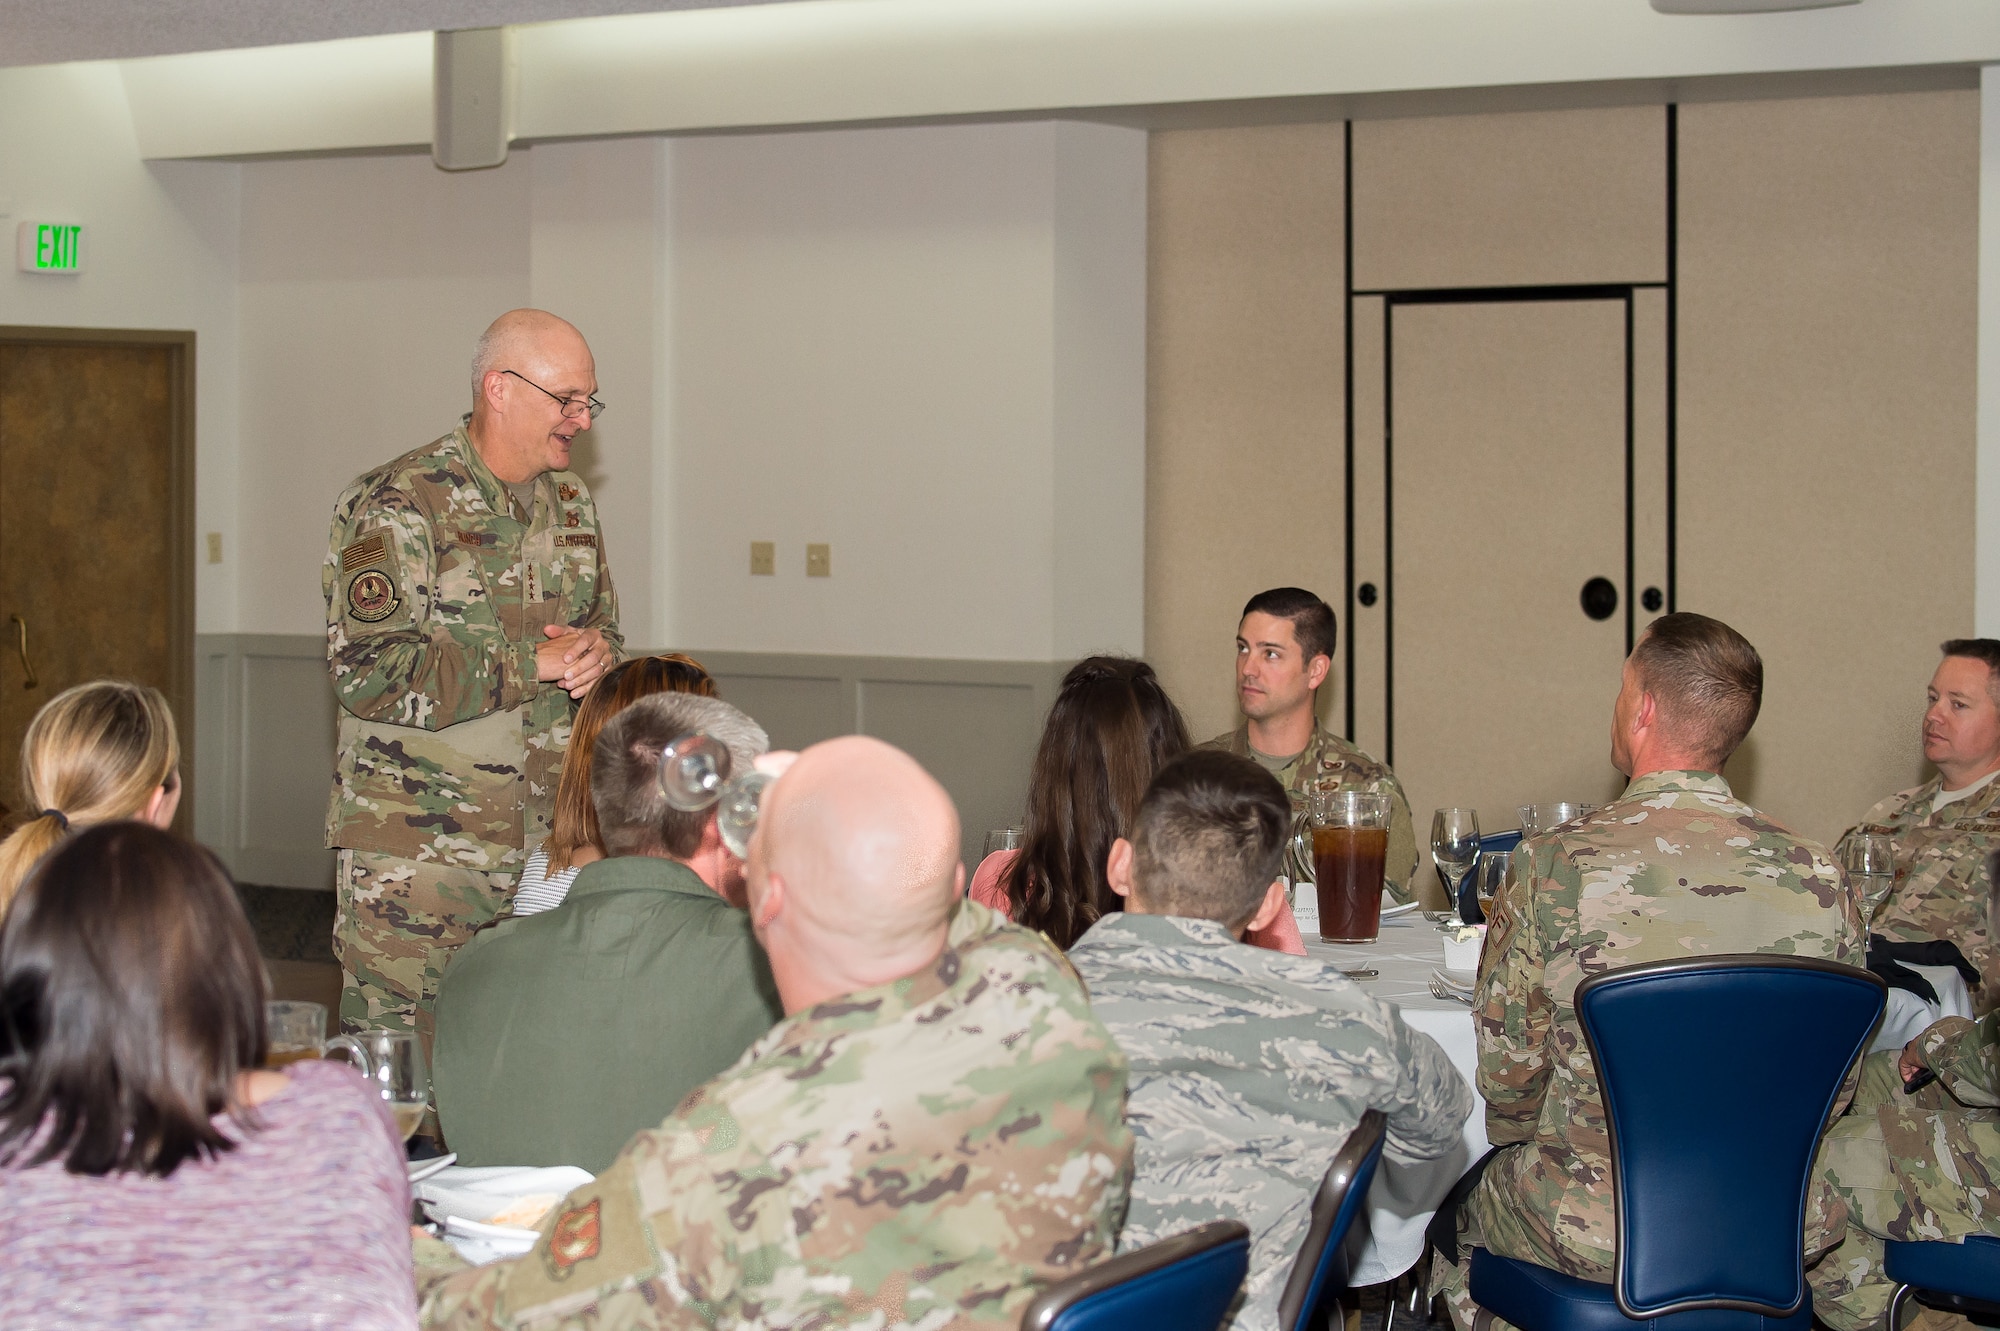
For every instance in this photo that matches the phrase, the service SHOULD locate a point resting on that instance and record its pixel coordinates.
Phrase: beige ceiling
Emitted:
(39, 32)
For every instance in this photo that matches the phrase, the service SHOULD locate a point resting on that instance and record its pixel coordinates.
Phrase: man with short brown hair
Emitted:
(1945, 828)
(1677, 866)
(1284, 653)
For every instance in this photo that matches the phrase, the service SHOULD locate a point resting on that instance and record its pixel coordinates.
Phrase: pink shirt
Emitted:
(987, 889)
(305, 1224)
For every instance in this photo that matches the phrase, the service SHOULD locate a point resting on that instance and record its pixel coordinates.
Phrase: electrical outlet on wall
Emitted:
(819, 561)
(763, 558)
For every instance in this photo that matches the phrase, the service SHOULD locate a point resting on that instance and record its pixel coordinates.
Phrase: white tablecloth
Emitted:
(1403, 1198)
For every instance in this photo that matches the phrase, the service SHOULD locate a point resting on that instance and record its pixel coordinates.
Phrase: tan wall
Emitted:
(1244, 449)
(1827, 255)
(1828, 267)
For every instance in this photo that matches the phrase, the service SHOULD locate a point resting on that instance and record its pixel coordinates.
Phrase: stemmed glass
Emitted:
(695, 775)
(1455, 849)
(1488, 879)
(1871, 868)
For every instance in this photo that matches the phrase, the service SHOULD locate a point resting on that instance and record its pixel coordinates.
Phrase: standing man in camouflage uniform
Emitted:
(1249, 1067)
(467, 604)
(1913, 1165)
(1676, 866)
(1945, 828)
(1284, 652)
(934, 1132)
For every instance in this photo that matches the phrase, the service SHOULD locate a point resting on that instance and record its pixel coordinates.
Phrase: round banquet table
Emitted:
(1404, 1196)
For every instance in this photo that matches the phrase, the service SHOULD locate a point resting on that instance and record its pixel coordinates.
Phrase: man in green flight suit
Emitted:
(467, 604)
(1284, 652)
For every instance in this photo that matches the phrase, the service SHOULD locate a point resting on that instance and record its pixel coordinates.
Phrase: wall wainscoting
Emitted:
(264, 729)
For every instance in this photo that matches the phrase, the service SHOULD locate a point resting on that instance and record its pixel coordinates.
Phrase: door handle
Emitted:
(1600, 598)
(27, 668)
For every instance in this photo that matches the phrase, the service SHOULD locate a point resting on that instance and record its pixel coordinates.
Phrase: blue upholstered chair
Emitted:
(1718, 1076)
(1493, 843)
(1961, 1278)
(1184, 1283)
(1326, 1258)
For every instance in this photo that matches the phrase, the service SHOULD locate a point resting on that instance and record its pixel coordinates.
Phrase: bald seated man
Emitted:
(933, 1133)
(467, 605)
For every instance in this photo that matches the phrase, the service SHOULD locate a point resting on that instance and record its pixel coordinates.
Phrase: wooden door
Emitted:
(95, 525)
(1513, 468)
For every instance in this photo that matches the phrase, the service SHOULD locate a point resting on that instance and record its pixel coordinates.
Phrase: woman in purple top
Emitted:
(151, 1173)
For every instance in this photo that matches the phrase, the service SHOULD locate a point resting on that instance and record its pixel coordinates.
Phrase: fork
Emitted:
(1439, 989)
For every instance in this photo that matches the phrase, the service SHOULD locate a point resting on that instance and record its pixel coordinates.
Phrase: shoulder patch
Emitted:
(578, 1236)
(371, 548)
(566, 491)
(371, 596)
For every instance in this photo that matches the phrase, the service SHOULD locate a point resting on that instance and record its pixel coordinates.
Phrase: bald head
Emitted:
(854, 870)
(531, 374)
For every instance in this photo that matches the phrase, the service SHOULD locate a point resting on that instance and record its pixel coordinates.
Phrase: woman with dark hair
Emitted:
(1111, 728)
(151, 1172)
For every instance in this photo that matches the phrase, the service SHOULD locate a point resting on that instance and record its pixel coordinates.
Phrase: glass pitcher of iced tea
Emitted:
(1350, 835)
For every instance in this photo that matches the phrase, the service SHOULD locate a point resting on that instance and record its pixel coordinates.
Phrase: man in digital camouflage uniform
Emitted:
(468, 603)
(1945, 828)
(1913, 1166)
(1284, 652)
(1249, 1068)
(1676, 866)
(934, 1132)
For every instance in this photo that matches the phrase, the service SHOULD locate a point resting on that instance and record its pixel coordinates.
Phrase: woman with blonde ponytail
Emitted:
(98, 753)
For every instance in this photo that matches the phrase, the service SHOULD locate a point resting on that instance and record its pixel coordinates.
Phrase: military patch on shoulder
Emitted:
(371, 596)
(582, 538)
(578, 1236)
(369, 549)
(566, 491)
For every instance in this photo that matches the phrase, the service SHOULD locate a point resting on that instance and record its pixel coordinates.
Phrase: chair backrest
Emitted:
(1719, 1074)
(1183, 1283)
(1326, 1258)
(1495, 842)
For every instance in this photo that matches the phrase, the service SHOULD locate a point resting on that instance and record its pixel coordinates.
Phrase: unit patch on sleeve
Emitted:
(371, 596)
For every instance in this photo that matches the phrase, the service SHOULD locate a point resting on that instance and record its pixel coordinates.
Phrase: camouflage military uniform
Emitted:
(1911, 1167)
(1331, 756)
(1249, 1070)
(924, 1153)
(437, 592)
(1940, 889)
(1676, 866)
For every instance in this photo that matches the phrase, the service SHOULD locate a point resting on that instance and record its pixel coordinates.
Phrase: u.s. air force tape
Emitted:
(371, 596)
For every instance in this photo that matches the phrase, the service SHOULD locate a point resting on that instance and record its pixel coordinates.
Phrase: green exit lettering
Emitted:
(56, 247)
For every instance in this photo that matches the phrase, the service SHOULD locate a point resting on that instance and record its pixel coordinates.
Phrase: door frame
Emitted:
(180, 348)
(1390, 299)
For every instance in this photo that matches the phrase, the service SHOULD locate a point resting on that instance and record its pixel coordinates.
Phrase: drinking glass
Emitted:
(694, 775)
(1454, 849)
(393, 1063)
(293, 1031)
(1871, 868)
(1004, 838)
(1488, 879)
(1350, 838)
(1537, 818)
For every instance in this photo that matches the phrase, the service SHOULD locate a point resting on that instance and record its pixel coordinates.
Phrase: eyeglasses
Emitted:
(571, 406)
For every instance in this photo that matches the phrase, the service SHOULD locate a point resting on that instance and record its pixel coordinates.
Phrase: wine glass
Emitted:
(1003, 838)
(695, 775)
(1455, 849)
(393, 1063)
(1489, 878)
(1871, 868)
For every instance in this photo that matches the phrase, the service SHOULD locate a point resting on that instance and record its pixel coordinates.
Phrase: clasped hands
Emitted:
(572, 657)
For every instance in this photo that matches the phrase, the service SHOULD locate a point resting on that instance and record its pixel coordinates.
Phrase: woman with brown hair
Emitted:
(97, 753)
(153, 1173)
(1111, 728)
(573, 838)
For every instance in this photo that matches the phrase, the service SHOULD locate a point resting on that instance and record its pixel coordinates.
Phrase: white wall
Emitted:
(161, 255)
(923, 346)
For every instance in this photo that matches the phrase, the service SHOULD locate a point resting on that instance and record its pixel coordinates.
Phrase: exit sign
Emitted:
(49, 247)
